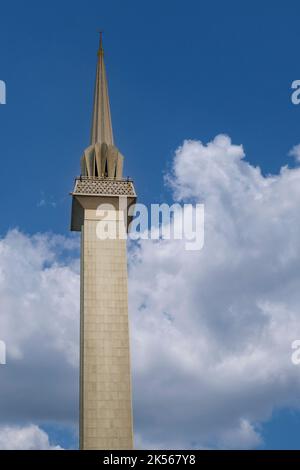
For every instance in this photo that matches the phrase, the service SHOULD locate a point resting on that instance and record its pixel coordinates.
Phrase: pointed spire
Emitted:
(101, 125)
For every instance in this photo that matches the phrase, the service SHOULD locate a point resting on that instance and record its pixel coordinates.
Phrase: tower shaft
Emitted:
(106, 415)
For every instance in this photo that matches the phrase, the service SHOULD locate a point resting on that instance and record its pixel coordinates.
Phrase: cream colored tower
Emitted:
(105, 381)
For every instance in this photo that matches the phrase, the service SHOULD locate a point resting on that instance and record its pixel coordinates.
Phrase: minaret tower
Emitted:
(105, 380)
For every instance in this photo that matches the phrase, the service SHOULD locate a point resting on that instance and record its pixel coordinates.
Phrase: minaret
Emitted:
(105, 379)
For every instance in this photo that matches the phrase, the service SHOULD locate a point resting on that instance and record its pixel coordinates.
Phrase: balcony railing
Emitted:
(103, 178)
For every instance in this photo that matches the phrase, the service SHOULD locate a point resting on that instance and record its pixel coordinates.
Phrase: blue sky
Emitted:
(176, 70)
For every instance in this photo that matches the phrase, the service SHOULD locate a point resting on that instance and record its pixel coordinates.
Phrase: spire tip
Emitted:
(100, 51)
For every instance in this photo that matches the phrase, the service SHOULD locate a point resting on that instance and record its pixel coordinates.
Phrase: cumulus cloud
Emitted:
(211, 331)
(295, 152)
(39, 322)
(29, 437)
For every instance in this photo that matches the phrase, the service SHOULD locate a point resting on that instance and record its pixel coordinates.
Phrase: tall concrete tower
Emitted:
(105, 380)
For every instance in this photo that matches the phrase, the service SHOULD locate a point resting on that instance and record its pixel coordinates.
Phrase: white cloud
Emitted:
(39, 322)
(37, 292)
(295, 152)
(211, 330)
(29, 437)
(241, 436)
